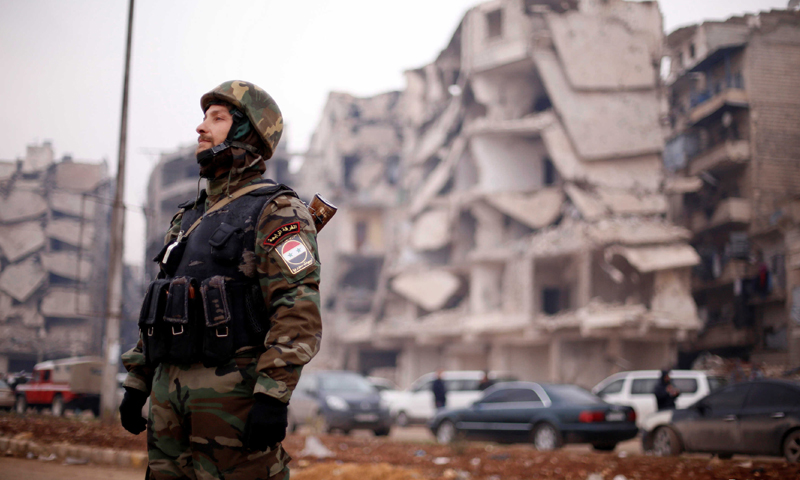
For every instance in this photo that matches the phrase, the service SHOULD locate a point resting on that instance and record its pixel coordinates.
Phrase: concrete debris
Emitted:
(22, 205)
(315, 448)
(636, 231)
(66, 264)
(68, 230)
(438, 178)
(430, 290)
(682, 185)
(5, 306)
(589, 205)
(532, 124)
(21, 239)
(66, 303)
(431, 230)
(663, 257)
(80, 177)
(598, 316)
(22, 279)
(732, 210)
(672, 299)
(630, 119)
(436, 135)
(535, 210)
(600, 54)
(28, 314)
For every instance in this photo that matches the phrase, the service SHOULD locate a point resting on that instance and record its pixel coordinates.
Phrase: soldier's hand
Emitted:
(130, 411)
(266, 423)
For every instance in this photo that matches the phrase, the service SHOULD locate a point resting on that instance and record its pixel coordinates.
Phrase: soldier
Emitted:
(234, 314)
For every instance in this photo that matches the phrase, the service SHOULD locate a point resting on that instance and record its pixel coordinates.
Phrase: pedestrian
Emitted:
(666, 392)
(234, 315)
(486, 382)
(439, 391)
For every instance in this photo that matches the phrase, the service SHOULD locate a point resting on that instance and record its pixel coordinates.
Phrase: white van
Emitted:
(635, 389)
(415, 405)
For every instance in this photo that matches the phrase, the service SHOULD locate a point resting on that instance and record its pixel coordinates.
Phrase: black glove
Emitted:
(130, 410)
(266, 423)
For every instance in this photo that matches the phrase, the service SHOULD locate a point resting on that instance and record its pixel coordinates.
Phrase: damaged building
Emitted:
(734, 150)
(54, 253)
(506, 210)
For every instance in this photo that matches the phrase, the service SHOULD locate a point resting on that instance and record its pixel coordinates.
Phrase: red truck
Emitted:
(61, 384)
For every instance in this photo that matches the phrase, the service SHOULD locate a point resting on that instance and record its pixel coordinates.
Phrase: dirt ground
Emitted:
(365, 457)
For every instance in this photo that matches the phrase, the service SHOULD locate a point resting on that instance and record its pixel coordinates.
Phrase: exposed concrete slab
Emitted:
(19, 240)
(66, 303)
(590, 207)
(436, 135)
(602, 125)
(663, 257)
(22, 205)
(29, 315)
(682, 185)
(598, 316)
(22, 279)
(80, 177)
(625, 202)
(65, 264)
(535, 210)
(5, 306)
(636, 231)
(438, 178)
(601, 53)
(68, 230)
(532, 124)
(672, 300)
(430, 290)
(431, 230)
(640, 173)
(732, 210)
(567, 237)
(72, 204)
(7, 170)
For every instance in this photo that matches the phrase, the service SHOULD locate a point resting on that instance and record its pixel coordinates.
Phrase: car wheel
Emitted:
(402, 419)
(666, 442)
(791, 447)
(21, 405)
(546, 437)
(383, 432)
(58, 406)
(447, 432)
(604, 447)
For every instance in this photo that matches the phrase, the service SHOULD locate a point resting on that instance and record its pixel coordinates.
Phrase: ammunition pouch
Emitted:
(182, 322)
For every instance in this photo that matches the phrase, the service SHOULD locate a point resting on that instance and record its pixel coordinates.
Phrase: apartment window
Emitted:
(494, 22)
(691, 50)
(361, 234)
(554, 300)
(350, 164)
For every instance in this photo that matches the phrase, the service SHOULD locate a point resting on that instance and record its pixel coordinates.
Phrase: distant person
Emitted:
(486, 382)
(666, 392)
(439, 391)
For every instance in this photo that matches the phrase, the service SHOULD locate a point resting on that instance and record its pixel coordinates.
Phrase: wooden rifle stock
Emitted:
(321, 211)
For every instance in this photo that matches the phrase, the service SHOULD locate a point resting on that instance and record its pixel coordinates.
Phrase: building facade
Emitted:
(734, 149)
(512, 216)
(54, 237)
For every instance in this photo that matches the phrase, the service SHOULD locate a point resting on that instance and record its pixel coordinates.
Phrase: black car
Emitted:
(338, 400)
(761, 417)
(547, 415)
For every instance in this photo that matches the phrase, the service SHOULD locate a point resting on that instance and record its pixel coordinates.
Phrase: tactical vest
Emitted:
(205, 306)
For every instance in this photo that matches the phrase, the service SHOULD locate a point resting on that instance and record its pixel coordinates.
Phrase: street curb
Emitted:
(23, 445)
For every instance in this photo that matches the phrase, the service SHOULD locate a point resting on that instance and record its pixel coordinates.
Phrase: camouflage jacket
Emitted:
(293, 299)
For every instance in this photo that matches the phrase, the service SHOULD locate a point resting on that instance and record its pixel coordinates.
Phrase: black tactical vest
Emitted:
(209, 302)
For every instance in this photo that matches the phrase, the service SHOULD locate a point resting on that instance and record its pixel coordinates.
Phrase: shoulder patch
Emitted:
(280, 232)
(296, 254)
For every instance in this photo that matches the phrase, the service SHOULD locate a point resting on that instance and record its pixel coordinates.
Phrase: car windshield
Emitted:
(571, 395)
(345, 382)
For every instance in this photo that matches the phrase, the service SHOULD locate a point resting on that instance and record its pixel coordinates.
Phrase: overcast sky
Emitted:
(62, 66)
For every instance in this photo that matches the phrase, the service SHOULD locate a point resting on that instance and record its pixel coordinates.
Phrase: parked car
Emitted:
(416, 405)
(62, 384)
(382, 384)
(338, 400)
(6, 396)
(547, 415)
(761, 417)
(635, 389)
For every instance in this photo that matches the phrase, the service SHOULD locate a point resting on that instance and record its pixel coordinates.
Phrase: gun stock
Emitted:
(321, 211)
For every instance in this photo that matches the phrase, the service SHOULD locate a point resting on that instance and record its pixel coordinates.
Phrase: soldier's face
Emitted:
(214, 128)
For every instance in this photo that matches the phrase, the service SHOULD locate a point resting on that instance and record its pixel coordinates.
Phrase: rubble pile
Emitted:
(53, 255)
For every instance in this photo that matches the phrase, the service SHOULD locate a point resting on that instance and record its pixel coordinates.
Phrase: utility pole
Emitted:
(113, 313)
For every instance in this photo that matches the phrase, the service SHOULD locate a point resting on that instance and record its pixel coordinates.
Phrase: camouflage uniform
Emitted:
(198, 414)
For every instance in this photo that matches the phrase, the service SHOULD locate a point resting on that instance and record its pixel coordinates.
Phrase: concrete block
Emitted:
(61, 450)
(138, 459)
(4, 443)
(103, 456)
(18, 447)
(84, 452)
(123, 458)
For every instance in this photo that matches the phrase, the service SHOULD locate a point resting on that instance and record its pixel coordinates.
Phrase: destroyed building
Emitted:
(516, 220)
(53, 257)
(176, 179)
(734, 148)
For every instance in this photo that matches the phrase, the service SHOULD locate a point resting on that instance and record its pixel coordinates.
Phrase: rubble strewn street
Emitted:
(365, 457)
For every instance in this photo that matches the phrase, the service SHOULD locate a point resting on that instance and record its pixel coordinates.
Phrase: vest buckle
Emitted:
(177, 333)
(150, 332)
(219, 335)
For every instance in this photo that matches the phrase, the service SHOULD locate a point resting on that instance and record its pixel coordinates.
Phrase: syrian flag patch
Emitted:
(295, 254)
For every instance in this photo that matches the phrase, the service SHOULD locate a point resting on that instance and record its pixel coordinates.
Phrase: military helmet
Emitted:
(258, 105)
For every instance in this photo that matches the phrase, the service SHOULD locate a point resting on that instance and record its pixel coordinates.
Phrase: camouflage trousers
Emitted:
(197, 417)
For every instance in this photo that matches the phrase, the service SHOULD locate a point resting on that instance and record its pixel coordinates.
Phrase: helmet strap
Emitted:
(206, 156)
